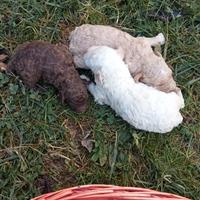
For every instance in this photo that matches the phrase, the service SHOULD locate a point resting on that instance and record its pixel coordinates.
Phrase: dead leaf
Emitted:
(87, 142)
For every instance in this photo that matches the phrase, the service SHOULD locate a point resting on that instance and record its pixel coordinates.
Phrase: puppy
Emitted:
(40, 60)
(142, 106)
(145, 65)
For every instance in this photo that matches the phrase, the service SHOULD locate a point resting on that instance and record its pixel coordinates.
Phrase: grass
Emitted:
(40, 139)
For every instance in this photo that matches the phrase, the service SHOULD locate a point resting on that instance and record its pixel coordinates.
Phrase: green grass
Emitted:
(41, 139)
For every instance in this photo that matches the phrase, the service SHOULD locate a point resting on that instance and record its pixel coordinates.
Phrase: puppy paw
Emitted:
(161, 38)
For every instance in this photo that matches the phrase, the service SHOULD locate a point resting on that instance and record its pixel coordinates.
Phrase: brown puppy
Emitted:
(39, 60)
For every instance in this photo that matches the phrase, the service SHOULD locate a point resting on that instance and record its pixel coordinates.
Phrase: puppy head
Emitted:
(157, 73)
(75, 95)
(103, 61)
(100, 57)
(78, 103)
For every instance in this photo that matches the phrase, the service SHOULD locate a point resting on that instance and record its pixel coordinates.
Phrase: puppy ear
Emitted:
(99, 78)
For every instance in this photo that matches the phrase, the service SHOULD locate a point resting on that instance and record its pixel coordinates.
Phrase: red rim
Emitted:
(108, 192)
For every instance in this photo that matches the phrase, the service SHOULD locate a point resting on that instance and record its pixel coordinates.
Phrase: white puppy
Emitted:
(140, 105)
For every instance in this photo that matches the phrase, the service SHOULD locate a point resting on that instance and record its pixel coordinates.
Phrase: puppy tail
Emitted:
(157, 40)
(4, 58)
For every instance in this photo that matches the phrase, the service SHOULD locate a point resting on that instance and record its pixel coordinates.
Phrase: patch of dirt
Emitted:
(77, 130)
(59, 170)
(189, 118)
(44, 184)
(56, 174)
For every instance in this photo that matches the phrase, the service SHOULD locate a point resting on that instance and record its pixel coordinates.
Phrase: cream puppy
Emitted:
(140, 105)
(144, 64)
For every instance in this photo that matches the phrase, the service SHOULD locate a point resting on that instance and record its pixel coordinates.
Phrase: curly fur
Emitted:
(39, 60)
(142, 106)
(144, 64)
